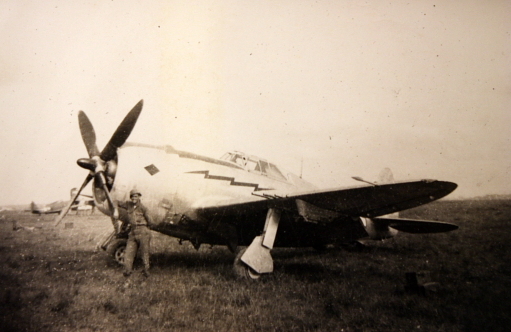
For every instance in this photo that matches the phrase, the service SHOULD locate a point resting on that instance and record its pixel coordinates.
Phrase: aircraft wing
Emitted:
(361, 201)
(373, 201)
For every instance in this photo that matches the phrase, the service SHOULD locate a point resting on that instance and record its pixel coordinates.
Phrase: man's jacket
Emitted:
(137, 214)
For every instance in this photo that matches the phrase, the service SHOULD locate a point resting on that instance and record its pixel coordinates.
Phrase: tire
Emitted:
(116, 249)
(242, 270)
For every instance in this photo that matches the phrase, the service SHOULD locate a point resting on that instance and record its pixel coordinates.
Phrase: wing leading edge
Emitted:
(373, 201)
(365, 201)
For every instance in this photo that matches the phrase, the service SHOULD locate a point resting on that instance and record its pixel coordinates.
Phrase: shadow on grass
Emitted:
(190, 260)
(301, 264)
(304, 263)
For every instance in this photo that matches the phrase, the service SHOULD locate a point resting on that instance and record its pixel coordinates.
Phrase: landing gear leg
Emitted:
(257, 256)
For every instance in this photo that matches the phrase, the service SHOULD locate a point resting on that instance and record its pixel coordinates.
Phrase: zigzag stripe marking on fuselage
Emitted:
(231, 179)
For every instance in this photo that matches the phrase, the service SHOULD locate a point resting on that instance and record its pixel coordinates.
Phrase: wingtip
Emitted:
(446, 187)
(450, 186)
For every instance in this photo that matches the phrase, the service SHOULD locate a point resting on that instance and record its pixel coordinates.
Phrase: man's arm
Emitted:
(147, 217)
(122, 204)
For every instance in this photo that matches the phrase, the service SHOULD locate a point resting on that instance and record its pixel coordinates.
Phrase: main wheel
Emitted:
(117, 248)
(242, 270)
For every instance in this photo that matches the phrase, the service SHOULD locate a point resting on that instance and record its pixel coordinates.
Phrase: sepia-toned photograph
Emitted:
(331, 165)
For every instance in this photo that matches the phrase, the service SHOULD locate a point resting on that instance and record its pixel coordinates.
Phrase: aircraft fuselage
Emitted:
(175, 185)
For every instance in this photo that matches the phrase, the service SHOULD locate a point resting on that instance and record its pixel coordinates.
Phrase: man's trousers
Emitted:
(139, 239)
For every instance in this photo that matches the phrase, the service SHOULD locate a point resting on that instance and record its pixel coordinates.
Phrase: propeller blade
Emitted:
(113, 208)
(88, 134)
(122, 133)
(65, 210)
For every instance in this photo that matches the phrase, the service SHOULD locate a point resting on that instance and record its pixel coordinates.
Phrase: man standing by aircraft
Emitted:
(140, 235)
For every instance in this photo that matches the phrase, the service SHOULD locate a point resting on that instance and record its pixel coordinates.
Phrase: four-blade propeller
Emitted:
(96, 163)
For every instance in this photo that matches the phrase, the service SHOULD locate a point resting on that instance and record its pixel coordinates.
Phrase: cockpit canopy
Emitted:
(254, 164)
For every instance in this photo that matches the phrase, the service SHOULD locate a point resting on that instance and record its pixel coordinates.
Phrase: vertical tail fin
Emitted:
(72, 193)
(386, 177)
(378, 230)
(35, 209)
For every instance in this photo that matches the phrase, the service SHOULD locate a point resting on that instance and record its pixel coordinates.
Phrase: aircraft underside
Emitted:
(293, 231)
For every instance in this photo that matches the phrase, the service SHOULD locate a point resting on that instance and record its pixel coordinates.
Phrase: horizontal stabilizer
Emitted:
(416, 226)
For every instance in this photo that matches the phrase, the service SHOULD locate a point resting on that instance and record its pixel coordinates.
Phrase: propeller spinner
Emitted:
(105, 162)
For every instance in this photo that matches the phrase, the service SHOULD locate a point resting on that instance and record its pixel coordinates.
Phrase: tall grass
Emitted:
(54, 279)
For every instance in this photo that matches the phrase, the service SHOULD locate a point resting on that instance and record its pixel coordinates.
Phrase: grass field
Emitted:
(54, 279)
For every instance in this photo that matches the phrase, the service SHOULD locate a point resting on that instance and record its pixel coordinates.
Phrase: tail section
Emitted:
(376, 229)
(72, 193)
(388, 225)
(415, 226)
(34, 208)
(386, 176)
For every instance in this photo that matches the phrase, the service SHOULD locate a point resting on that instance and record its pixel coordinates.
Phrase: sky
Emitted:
(329, 89)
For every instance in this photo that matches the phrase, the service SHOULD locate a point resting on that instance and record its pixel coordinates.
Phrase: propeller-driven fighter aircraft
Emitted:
(243, 200)
(56, 207)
